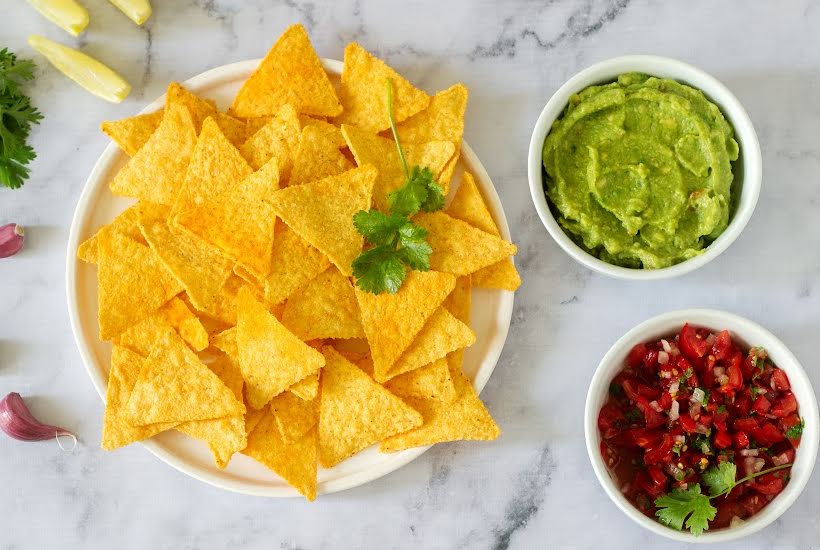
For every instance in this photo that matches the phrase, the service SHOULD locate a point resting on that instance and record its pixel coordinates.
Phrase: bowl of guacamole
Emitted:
(644, 167)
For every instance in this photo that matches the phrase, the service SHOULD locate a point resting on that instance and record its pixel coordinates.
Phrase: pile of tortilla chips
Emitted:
(226, 288)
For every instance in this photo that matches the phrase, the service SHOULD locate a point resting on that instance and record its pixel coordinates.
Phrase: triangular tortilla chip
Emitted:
(321, 212)
(294, 416)
(431, 381)
(294, 462)
(458, 247)
(190, 328)
(307, 388)
(117, 430)
(278, 138)
(468, 205)
(442, 334)
(141, 337)
(392, 321)
(126, 223)
(200, 109)
(155, 173)
(270, 356)
(459, 303)
(319, 154)
(234, 129)
(464, 419)
(225, 436)
(290, 73)
(293, 263)
(324, 308)
(225, 341)
(175, 386)
(355, 411)
(370, 148)
(133, 132)
(501, 275)
(254, 124)
(442, 120)
(363, 92)
(132, 284)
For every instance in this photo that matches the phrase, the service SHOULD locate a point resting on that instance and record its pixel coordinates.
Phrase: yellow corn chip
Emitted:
(324, 308)
(125, 223)
(270, 356)
(175, 386)
(224, 307)
(442, 334)
(156, 171)
(370, 148)
(501, 275)
(321, 212)
(458, 247)
(364, 90)
(117, 430)
(442, 120)
(141, 337)
(458, 303)
(234, 129)
(254, 124)
(133, 132)
(226, 342)
(225, 436)
(307, 388)
(468, 206)
(293, 263)
(252, 417)
(294, 416)
(392, 321)
(290, 73)
(464, 419)
(318, 155)
(278, 138)
(325, 127)
(355, 411)
(431, 381)
(294, 462)
(200, 109)
(179, 316)
(132, 284)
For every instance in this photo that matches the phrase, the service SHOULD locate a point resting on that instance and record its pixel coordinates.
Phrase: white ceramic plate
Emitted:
(491, 314)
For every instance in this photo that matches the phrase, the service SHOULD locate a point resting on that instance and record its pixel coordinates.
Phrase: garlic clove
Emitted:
(11, 239)
(18, 422)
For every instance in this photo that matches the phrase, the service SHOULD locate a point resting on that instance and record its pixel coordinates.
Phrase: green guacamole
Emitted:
(639, 173)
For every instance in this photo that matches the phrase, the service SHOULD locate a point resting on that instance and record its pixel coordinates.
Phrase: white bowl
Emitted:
(747, 170)
(747, 333)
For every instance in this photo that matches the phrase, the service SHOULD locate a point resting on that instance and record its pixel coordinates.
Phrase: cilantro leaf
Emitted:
(688, 507)
(376, 227)
(409, 198)
(379, 269)
(720, 479)
(414, 251)
(17, 115)
(797, 430)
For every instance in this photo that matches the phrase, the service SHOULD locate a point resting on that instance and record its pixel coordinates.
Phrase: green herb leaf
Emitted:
(414, 251)
(17, 115)
(797, 430)
(720, 479)
(378, 228)
(379, 269)
(688, 507)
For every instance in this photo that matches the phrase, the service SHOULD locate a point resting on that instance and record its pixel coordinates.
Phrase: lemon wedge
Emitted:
(86, 71)
(66, 14)
(137, 11)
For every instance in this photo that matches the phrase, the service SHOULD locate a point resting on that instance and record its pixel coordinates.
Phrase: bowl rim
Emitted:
(666, 67)
(741, 327)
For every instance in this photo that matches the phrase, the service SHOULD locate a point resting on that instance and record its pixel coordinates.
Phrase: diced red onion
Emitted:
(719, 371)
(666, 374)
(759, 463)
(698, 395)
(674, 411)
(711, 339)
(655, 406)
(663, 357)
(694, 409)
(666, 347)
(736, 521)
(780, 459)
(674, 471)
(723, 380)
(749, 452)
(674, 387)
(679, 438)
(701, 429)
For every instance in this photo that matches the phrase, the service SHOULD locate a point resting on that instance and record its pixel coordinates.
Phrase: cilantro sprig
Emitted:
(693, 508)
(17, 115)
(396, 242)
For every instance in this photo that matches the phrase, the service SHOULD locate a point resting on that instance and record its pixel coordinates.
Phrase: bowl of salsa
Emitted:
(701, 426)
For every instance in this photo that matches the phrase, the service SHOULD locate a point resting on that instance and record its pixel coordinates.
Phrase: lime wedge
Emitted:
(137, 11)
(66, 14)
(83, 69)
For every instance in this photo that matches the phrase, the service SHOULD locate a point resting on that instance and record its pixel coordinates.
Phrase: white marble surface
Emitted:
(534, 487)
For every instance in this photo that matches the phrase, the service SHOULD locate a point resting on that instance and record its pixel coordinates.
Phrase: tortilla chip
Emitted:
(431, 381)
(469, 206)
(132, 284)
(278, 138)
(294, 416)
(225, 436)
(141, 337)
(117, 430)
(355, 411)
(293, 263)
(252, 418)
(318, 155)
(501, 275)
(125, 224)
(225, 341)
(324, 308)
(392, 321)
(133, 132)
(369, 148)
(307, 388)
(442, 334)
(270, 356)
(254, 124)
(175, 386)
(156, 171)
(224, 306)
(464, 419)
(291, 72)
(363, 92)
(321, 212)
(458, 247)
(179, 316)
(294, 462)
(234, 129)
(442, 120)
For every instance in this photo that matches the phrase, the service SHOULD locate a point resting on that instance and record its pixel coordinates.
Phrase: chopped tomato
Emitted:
(789, 422)
(723, 347)
(636, 355)
(769, 484)
(780, 381)
(767, 435)
(723, 440)
(785, 406)
(692, 345)
(741, 440)
(762, 405)
(745, 424)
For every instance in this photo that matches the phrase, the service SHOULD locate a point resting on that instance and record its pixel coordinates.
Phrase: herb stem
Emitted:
(393, 128)
(750, 477)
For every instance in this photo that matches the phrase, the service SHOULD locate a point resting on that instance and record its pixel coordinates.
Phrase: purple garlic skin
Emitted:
(18, 422)
(11, 239)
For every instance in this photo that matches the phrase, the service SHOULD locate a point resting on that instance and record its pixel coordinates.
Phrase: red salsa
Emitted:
(687, 404)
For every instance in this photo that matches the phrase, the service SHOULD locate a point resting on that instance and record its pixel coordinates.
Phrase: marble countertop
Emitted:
(534, 487)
